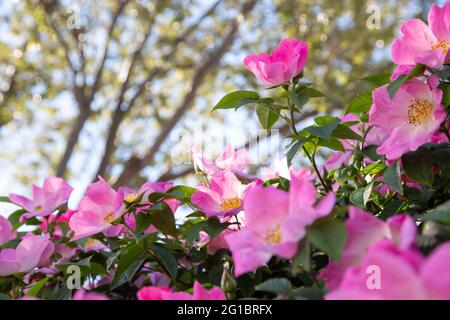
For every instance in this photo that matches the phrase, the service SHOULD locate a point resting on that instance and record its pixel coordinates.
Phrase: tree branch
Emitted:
(134, 165)
(99, 73)
(84, 103)
(120, 110)
(83, 115)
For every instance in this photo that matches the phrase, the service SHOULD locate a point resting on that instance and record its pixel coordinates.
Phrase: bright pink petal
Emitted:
(87, 223)
(265, 207)
(248, 253)
(200, 293)
(403, 230)
(416, 40)
(435, 273)
(153, 293)
(438, 20)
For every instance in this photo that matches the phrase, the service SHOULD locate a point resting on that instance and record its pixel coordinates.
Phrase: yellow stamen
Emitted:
(443, 44)
(38, 209)
(229, 204)
(109, 218)
(419, 111)
(273, 236)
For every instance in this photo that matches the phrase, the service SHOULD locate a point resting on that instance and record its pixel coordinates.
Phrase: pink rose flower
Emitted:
(284, 64)
(32, 251)
(422, 43)
(46, 199)
(410, 119)
(222, 198)
(97, 210)
(275, 221)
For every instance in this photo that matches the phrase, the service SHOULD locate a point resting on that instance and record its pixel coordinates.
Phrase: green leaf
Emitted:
(325, 129)
(130, 261)
(34, 290)
(418, 165)
(374, 168)
(192, 233)
(313, 93)
(397, 83)
(308, 294)
(441, 157)
(440, 214)
(392, 178)
(446, 94)
(275, 285)
(182, 193)
(266, 117)
(236, 99)
(166, 258)
(378, 80)
(390, 209)
(303, 256)
(143, 221)
(163, 219)
(213, 227)
(5, 199)
(299, 99)
(293, 150)
(14, 218)
(333, 144)
(329, 236)
(344, 132)
(357, 197)
(360, 103)
(371, 153)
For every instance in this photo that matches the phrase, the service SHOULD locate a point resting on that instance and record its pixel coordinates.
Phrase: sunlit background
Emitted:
(125, 88)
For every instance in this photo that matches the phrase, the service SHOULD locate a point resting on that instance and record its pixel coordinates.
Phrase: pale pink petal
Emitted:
(8, 263)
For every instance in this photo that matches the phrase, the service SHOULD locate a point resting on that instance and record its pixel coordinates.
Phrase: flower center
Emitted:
(418, 112)
(109, 218)
(38, 208)
(229, 204)
(443, 44)
(273, 236)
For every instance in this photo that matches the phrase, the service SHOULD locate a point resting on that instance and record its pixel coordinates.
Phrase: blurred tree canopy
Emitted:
(93, 88)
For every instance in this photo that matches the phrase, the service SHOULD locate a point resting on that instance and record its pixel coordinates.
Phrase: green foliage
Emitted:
(328, 235)
(237, 99)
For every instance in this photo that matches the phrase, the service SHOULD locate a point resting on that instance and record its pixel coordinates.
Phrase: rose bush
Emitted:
(370, 222)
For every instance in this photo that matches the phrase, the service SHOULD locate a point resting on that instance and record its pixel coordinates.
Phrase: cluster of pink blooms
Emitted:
(270, 221)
